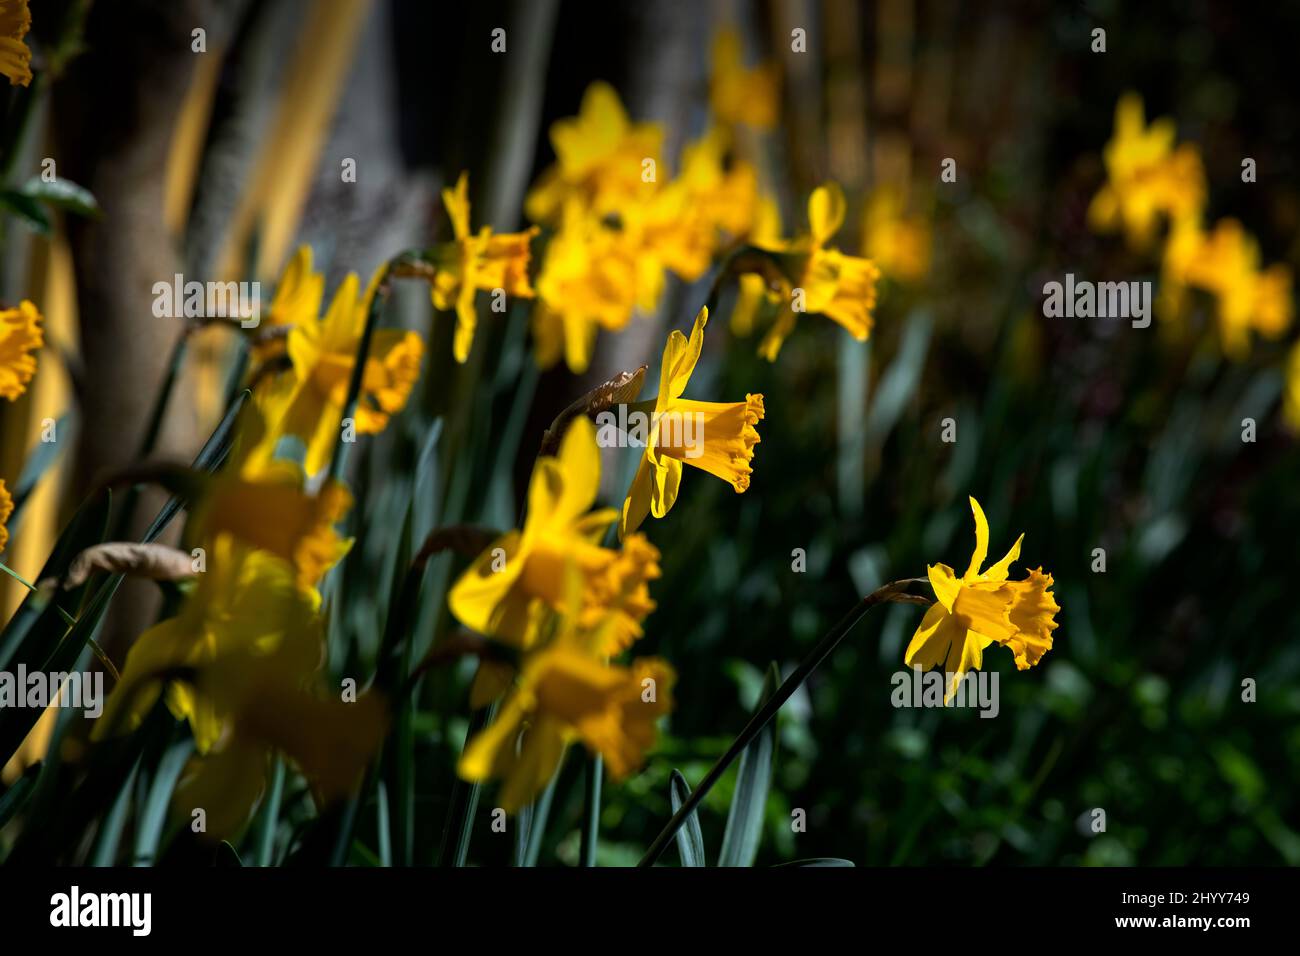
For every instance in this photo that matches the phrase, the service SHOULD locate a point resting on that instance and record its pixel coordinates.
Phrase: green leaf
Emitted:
(227, 855)
(27, 209)
(42, 456)
(690, 840)
(153, 814)
(12, 800)
(745, 818)
(817, 861)
(62, 194)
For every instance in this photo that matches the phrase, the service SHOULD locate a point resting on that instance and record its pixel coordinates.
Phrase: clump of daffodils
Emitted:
(618, 224)
(1156, 191)
(566, 604)
(983, 607)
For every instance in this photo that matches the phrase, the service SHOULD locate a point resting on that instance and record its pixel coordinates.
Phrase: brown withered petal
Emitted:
(157, 562)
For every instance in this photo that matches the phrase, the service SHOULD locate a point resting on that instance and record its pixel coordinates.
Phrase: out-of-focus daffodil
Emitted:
(565, 695)
(1148, 179)
(308, 403)
(753, 290)
(824, 281)
(898, 243)
(590, 278)
(475, 261)
(6, 509)
(1290, 400)
(15, 57)
(739, 95)
(297, 301)
(717, 437)
(982, 607)
(523, 573)
(20, 336)
(1226, 263)
(602, 158)
(239, 663)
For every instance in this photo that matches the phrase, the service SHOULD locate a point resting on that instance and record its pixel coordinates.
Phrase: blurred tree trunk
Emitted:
(114, 116)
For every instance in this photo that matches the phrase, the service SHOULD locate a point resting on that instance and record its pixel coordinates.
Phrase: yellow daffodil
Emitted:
(717, 437)
(6, 509)
(523, 573)
(564, 695)
(896, 242)
(681, 226)
(589, 280)
(601, 159)
(308, 403)
(739, 95)
(15, 57)
(1226, 264)
(1148, 179)
(263, 501)
(476, 261)
(297, 301)
(1290, 400)
(825, 281)
(239, 663)
(983, 607)
(752, 292)
(20, 336)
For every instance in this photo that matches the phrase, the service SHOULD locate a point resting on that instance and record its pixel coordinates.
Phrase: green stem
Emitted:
(595, 771)
(895, 591)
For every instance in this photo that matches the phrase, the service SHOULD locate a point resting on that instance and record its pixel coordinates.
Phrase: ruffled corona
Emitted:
(20, 337)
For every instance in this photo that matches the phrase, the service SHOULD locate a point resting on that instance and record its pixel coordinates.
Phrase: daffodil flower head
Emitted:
(725, 449)
(523, 571)
(824, 280)
(982, 607)
(297, 301)
(474, 261)
(600, 159)
(6, 509)
(15, 56)
(563, 695)
(740, 95)
(1148, 178)
(20, 337)
(238, 664)
(263, 501)
(309, 402)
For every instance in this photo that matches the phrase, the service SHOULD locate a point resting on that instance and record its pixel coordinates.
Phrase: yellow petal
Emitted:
(826, 210)
(679, 359)
(981, 540)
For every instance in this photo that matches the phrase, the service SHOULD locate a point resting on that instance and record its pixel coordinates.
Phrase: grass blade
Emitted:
(690, 840)
(745, 817)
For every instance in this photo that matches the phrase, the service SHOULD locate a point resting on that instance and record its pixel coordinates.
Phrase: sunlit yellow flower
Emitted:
(982, 607)
(309, 402)
(717, 437)
(682, 225)
(739, 95)
(591, 278)
(240, 663)
(6, 509)
(20, 336)
(297, 301)
(476, 261)
(896, 242)
(824, 280)
(765, 232)
(1226, 263)
(601, 159)
(522, 573)
(564, 695)
(15, 57)
(1290, 400)
(1149, 180)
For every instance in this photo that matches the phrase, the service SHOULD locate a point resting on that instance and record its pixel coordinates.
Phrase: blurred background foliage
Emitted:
(1083, 434)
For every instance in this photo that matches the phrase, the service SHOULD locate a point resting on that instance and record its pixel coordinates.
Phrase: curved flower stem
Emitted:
(895, 592)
